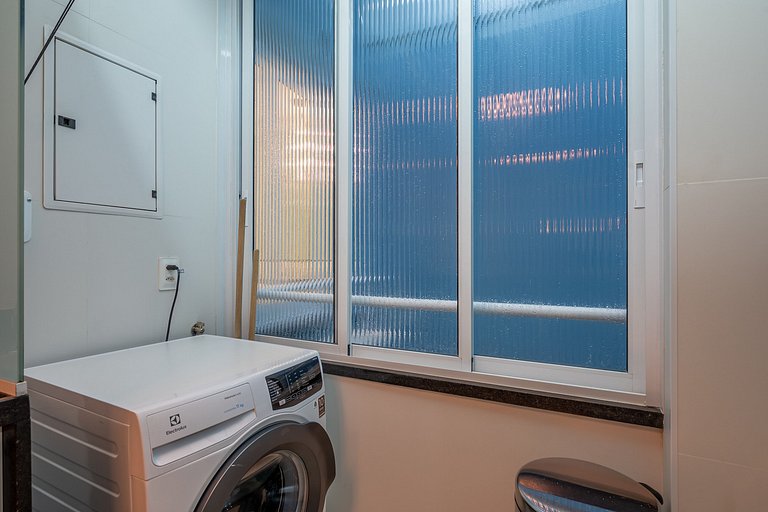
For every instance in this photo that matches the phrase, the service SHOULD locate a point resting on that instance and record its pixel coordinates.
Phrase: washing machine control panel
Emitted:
(295, 384)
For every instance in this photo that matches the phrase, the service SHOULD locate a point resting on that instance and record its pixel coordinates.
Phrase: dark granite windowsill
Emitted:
(604, 410)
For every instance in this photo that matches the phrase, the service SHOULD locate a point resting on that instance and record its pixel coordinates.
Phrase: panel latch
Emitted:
(66, 122)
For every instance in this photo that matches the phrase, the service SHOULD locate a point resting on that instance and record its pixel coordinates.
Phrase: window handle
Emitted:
(639, 179)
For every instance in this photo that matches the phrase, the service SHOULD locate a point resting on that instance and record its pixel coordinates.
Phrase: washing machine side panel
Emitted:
(79, 459)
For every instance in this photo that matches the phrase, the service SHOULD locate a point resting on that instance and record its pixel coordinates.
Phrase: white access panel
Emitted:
(101, 132)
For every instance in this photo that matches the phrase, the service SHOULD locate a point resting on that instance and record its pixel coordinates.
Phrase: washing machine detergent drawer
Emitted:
(186, 429)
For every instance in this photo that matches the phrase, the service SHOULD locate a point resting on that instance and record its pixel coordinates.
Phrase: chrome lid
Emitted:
(570, 485)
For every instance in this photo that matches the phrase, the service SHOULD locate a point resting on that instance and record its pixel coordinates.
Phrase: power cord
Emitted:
(179, 271)
(50, 38)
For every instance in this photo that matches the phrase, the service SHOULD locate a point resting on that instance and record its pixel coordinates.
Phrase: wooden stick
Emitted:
(238, 329)
(254, 289)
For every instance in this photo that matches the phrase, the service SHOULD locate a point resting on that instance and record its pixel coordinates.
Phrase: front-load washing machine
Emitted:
(199, 424)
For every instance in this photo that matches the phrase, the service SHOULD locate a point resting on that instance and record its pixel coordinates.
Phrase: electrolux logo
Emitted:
(175, 421)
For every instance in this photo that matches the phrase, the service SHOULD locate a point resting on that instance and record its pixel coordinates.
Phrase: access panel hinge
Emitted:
(639, 179)
(154, 96)
(154, 194)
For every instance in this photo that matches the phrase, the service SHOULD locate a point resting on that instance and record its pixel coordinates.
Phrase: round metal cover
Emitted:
(570, 485)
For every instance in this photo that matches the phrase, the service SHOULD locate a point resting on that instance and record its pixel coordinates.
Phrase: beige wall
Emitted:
(722, 264)
(91, 280)
(405, 450)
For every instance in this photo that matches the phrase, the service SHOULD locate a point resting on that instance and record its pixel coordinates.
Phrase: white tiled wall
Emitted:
(91, 280)
(710, 485)
(723, 342)
(722, 265)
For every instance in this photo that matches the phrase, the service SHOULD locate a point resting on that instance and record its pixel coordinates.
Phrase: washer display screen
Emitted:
(291, 386)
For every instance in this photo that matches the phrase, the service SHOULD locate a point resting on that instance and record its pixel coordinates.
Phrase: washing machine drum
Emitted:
(287, 467)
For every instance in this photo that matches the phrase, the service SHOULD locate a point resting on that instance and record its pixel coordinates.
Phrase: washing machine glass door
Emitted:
(277, 483)
(285, 468)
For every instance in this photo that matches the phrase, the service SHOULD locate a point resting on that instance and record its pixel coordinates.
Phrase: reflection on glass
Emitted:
(404, 183)
(277, 483)
(294, 167)
(550, 214)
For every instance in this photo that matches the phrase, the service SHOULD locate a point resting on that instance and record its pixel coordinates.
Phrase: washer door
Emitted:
(287, 467)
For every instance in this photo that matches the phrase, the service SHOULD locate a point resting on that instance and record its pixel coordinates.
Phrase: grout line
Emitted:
(731, 180)
(718, 461)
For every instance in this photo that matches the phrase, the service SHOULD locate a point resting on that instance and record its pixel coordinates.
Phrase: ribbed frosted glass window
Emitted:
(550, 188)
(404, 241)
(294, 167)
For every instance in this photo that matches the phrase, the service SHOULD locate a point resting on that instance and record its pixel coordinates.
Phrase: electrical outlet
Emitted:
(166, 279)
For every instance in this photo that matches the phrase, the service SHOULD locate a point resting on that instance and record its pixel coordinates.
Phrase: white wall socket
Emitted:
(166, 279)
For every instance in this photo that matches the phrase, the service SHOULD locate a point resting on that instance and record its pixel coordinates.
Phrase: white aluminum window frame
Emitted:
(641, 384)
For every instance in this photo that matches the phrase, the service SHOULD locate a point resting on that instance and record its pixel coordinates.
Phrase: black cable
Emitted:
(179, 271)
(50, 38)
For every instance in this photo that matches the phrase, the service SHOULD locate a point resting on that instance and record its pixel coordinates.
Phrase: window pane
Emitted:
(294, 167)
(550, 214)
(404, 282)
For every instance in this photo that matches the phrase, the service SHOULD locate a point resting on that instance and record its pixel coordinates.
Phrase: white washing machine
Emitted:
(194, 425)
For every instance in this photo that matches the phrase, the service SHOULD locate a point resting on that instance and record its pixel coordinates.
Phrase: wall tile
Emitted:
(182, 118)
(722, 332)
(175, 28)
(116, 317)
(712, 486)
(80, 6)
(37, 14)
(55, 295)
(721, 84)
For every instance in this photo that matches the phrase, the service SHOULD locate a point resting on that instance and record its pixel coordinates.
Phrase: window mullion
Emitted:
(465, 122)
(344, 147)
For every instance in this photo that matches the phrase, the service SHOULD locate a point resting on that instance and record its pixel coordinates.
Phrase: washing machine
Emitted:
(199, 424)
